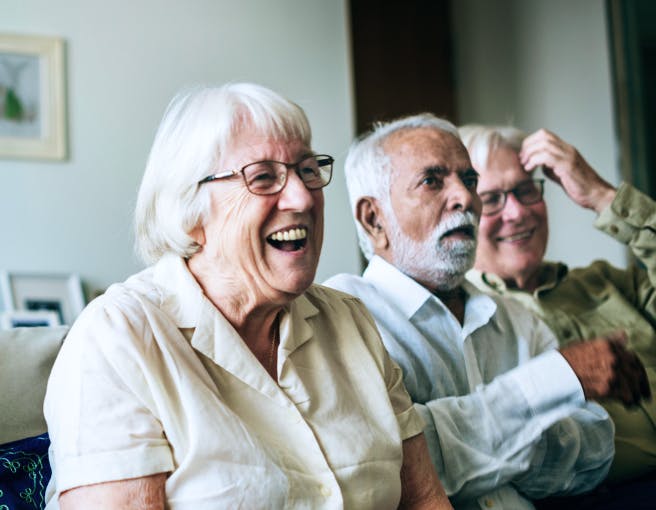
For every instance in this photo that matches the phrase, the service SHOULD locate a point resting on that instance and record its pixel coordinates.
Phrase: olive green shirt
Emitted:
(592, 301)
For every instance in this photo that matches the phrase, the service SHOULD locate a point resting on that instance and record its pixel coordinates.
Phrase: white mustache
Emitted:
(458, 220)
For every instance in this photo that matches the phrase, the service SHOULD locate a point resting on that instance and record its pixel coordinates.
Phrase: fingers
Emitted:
(630, 383)
(544, 148)
(607, 369)
(592, 362)
(563, 164)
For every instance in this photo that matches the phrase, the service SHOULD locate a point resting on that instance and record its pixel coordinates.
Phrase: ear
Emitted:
(369, 214)
(198, 235)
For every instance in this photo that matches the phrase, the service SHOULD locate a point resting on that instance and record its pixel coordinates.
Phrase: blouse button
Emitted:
(325, 491)
(613, 229)
(624, 213)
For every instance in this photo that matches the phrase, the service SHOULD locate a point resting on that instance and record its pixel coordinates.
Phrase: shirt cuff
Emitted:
(548, 381)
(628, 212)
(410, 423)
(74, 472)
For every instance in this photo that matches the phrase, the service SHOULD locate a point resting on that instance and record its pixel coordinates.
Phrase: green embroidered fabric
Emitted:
(24, 473)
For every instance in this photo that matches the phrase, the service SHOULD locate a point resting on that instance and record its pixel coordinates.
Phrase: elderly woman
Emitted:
(220, 377)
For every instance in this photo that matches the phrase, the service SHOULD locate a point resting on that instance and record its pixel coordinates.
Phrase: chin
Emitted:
(296, 284)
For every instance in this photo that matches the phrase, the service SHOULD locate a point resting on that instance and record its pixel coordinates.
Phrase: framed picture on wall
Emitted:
(58, 294)
(32, 97)
(27, 319)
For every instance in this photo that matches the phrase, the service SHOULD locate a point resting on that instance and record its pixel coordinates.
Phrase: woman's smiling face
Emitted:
(243, 236)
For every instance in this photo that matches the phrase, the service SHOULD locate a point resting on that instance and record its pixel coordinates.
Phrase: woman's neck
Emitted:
(250, 312)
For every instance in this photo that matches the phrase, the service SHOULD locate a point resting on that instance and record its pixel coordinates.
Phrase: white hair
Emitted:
(481, 140)
(197, 128)
(368, 169)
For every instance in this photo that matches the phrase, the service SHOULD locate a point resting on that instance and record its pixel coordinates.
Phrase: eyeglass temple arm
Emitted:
(222, 175)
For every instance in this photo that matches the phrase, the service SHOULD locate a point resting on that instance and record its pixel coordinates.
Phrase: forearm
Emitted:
(420, 485)
(578, 452)
(145, 493)
(491, 436)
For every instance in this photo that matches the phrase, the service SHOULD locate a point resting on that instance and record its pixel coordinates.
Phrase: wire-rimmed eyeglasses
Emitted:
(527, 193)
(270, 177)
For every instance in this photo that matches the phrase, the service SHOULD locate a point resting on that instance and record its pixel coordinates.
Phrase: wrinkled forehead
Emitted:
(412, 148)
(502, 170)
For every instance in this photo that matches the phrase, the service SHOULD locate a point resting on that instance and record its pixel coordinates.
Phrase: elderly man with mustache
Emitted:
(508, 415)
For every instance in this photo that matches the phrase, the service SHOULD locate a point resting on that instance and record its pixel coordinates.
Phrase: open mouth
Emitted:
(292, 239)
(461, 231)
(517, 237)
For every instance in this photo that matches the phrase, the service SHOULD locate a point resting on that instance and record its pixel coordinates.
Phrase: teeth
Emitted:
(293, 234)
(517, 237)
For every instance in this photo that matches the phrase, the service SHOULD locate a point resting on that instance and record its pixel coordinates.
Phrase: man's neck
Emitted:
(528, 281)
(454, 300)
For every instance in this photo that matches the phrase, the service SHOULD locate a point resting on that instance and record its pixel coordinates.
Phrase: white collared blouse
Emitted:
(152, 378)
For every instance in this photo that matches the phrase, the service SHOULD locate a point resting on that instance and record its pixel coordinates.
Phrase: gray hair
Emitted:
(196, 130)
(481, 140)
(368, 169)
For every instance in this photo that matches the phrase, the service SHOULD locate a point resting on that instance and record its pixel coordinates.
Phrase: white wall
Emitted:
(544, 63)
(125, 60)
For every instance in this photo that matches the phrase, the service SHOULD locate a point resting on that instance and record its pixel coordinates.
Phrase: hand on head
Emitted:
(563, 164)
(607, 369)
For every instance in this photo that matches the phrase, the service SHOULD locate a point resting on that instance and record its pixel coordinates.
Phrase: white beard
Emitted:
(441, 263)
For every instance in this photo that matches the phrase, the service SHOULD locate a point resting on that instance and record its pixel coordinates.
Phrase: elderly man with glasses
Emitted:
(584, 302)
(507, 414)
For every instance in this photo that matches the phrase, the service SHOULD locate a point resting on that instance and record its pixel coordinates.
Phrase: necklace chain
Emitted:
(274, 342)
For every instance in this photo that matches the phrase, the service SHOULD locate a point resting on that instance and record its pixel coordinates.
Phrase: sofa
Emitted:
(26, 358)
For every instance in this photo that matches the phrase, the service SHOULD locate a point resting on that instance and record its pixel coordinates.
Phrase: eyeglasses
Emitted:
(526, 193)
(270, 177)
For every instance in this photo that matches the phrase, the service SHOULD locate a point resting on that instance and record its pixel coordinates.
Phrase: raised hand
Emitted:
(563, 164)
(606, 369)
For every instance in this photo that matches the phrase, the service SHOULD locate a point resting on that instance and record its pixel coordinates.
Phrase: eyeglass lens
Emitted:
(268, 177)
(526, 193)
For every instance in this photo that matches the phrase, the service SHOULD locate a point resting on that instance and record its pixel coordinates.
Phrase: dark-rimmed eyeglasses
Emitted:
(526, 193)
(270, 177)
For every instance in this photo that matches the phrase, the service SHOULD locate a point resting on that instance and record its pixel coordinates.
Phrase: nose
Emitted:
(462, 198)
(513, 209)
(295, 196)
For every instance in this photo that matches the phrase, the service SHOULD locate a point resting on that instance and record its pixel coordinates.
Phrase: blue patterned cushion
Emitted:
(24, 473)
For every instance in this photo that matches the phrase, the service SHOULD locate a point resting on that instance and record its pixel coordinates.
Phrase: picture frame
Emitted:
(28, 319)
(58, 293)
(32, 97)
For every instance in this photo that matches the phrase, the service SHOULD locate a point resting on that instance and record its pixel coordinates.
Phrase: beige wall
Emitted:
(125, 60)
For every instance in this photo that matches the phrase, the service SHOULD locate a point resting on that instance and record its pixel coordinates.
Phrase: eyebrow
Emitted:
(435, 170)
(469, 172)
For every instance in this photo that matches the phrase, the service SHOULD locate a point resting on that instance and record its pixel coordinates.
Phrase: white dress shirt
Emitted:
(507, 419)
(152, 378)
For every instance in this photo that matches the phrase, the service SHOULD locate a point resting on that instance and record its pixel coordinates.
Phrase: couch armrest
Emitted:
(26, 358)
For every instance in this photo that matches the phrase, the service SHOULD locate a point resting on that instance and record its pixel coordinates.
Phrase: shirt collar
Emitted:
(409, 296)
(181, 296)
(399, 288)
(479, 308)
(550, 275)
(183, 300)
